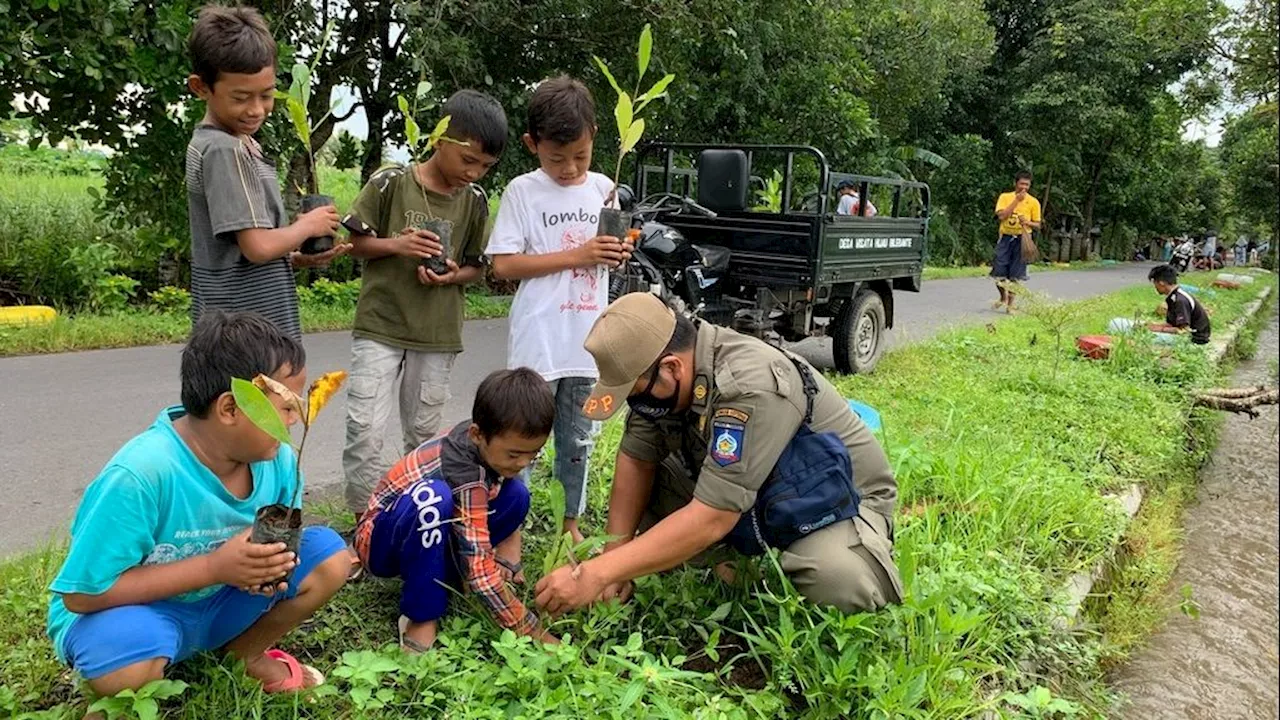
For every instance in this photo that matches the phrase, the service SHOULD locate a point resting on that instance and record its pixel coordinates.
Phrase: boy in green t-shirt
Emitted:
(409, 319)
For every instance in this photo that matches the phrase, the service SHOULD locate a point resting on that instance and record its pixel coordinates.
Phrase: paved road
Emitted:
(63, 416)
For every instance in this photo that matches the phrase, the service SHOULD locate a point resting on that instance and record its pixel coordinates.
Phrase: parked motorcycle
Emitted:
(663, 262)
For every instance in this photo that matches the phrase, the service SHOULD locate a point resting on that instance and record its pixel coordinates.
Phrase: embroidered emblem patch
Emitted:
(699, 391)
(726, 443)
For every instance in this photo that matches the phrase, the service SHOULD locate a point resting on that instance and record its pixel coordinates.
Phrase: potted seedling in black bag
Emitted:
(418, 146)
(613, 221)
(279, 522)
(296, 101)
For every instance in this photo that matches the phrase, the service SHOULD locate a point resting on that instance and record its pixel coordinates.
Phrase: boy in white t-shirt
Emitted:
(545, 237)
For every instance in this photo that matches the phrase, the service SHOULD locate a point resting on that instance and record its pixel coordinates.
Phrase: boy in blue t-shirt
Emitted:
(160, 565)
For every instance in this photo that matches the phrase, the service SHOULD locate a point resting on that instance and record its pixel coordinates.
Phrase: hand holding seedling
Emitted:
(251, 566)
(321, 222)
(428, 277)
(568, 588)
(415, 243)
(621, 592)
(603, 250)
(301, 260)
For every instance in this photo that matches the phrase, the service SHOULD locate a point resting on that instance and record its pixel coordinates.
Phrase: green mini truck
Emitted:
(783, 265)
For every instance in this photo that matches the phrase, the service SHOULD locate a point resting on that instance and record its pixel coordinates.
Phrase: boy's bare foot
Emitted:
(727, 572)
(417, 638)
(571, 527)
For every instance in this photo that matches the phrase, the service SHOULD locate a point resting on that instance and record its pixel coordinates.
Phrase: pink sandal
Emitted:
(301, 677)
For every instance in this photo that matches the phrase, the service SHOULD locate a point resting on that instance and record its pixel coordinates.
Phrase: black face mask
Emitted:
(653, 408)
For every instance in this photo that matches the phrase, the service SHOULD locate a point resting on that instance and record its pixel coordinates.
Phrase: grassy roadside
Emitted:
(134, 327)
(1001, 462)
(1132, 601)
(938, 272)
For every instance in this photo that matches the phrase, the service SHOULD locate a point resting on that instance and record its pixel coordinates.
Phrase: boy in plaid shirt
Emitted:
(448, 515)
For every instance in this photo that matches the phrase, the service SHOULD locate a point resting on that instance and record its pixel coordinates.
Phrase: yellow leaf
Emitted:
(269, 385)
(322, 391)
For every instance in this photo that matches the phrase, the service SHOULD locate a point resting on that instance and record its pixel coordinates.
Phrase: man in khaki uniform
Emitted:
(711, 413)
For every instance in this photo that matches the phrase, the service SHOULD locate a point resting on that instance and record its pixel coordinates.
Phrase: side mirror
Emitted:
(626, 197)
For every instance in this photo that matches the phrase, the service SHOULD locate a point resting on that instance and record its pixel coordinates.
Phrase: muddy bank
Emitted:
(1226, 664)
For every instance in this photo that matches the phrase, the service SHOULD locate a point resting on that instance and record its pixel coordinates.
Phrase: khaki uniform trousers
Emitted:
(848, 565)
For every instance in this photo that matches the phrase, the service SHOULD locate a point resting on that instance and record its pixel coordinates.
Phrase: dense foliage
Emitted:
(1091, 95)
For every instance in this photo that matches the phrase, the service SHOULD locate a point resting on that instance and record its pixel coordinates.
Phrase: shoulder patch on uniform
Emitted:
(732, 413)
(727, 439)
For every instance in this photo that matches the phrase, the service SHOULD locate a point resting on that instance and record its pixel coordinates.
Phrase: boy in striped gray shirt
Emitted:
(242, 245)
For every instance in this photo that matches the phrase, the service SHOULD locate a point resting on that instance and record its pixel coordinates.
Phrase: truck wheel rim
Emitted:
(866, 336)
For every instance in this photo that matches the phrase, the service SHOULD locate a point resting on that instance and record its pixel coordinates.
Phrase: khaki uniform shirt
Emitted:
(748, 403)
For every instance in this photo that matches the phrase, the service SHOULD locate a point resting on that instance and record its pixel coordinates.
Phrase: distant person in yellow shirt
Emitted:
(1018, 212)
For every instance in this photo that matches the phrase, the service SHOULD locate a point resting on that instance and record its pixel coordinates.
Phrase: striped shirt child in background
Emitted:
(242, 244)
(447, 517)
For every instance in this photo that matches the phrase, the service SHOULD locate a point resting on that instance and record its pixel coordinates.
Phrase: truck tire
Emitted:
(859, 333)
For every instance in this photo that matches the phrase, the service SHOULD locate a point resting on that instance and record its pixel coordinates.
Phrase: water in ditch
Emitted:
(1226, 664)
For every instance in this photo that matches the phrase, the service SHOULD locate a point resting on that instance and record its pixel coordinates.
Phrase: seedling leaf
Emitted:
(623, 113)
(658, 90)
(557, 503)
(441, 128)
(607, 75)
(322, 391)
(412, 134)
(255, 406)
(302, 81)
(298, 114)
(633, 136)
(424, 87)
(646, 49)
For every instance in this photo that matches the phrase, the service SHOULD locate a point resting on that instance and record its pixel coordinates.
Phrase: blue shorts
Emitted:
(1008, 264)
(100, 643)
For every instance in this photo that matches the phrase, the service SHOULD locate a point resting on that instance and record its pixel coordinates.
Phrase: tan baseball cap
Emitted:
(625, 341)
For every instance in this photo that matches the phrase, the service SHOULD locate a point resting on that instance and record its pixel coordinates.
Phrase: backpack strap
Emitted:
(810, 385)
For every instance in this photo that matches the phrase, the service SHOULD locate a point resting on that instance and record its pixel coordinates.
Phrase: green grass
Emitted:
(1132, 601)
(1001, 466)
(939, 272)
(88, 331)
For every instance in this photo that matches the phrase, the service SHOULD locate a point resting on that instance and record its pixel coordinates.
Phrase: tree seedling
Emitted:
(630, 125)
(296, 101)
(563, 551)
(279, 522)
(418, 147)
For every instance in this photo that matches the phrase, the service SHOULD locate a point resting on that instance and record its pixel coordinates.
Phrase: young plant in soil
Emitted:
(563, 551)
(296, 100)
(279, 522)
(418, 146)
(613, 221)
